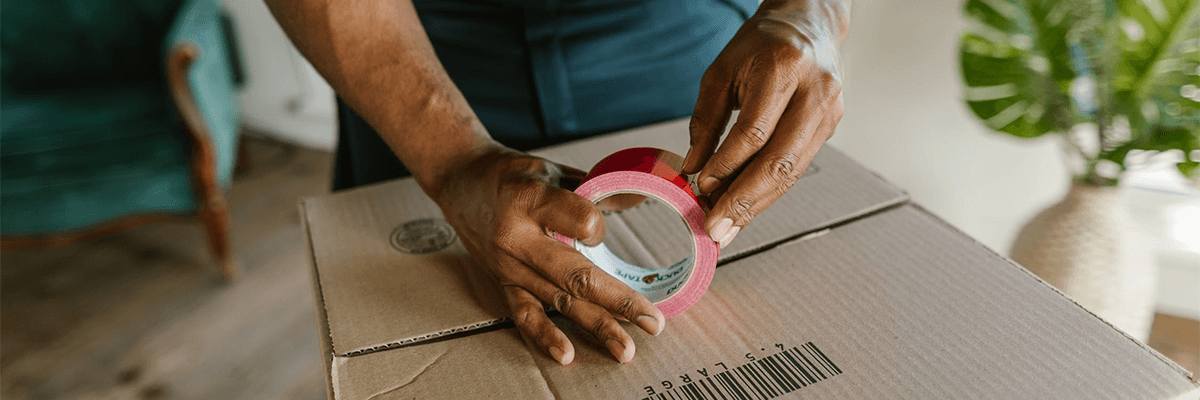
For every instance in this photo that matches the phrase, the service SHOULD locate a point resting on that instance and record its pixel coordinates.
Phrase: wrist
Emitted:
(813, 29)
(819, 20)
(455, 173)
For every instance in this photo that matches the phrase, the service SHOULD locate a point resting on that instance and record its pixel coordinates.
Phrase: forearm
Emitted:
(378, 58)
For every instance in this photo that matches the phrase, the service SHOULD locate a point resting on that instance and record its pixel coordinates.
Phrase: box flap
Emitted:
(896, 305)
(379, 291)
(485, 365)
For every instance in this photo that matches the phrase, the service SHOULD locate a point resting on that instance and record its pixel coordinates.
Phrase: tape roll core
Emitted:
(654, 173)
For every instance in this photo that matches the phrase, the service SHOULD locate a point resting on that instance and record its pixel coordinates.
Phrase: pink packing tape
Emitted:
(655, 173)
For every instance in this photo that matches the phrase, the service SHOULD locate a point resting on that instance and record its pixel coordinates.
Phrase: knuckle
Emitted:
(723, 167)
(782, 169)
(755, 134)
(827, 78)
(741, 209)
(524, 317)
(563, 302)
(580, 281)
(830, 83)
(599, 327)
(625, 306)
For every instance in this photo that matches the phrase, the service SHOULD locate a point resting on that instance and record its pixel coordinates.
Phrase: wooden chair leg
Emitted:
(213, 212)
(214, 215)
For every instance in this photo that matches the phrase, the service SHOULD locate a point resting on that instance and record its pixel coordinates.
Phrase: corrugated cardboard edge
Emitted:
(1184, 372)
(827, 226)
(319, 306)
(447, 334)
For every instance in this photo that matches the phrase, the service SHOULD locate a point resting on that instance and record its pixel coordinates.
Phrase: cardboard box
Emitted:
(840, 290)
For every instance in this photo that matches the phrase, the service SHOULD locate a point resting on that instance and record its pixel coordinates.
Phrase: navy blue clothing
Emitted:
(544, 72)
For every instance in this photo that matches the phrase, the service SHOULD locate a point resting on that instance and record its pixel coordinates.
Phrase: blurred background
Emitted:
(206, 293)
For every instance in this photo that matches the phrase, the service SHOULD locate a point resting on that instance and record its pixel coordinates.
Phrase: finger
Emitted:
(709, 118)
(604, 327)
(571, 215)
(724, 186)
(763, 103)
(530, 318)
(580, 279)
(597, 320)
(772, 172)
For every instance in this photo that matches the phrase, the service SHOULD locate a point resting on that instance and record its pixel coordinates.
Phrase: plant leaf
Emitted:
(1157, 76)
(1018, 65)
(1190, 169)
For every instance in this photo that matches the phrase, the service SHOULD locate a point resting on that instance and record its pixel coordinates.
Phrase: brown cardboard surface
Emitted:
(864, 295)
(899, 305)
(905, 306)
(492, 364)
(377, 297)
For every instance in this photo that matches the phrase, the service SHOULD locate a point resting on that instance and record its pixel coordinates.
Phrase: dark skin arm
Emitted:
(504, 204)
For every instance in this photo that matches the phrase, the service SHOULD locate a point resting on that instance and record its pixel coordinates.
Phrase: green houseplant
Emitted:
(1107, 77)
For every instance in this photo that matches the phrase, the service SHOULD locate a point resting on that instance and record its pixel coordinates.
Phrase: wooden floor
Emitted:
(142, 314)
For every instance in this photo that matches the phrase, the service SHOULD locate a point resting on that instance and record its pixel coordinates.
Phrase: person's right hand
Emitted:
(505, 206)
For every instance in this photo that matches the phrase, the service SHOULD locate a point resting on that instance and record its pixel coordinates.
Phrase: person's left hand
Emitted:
(781, 70)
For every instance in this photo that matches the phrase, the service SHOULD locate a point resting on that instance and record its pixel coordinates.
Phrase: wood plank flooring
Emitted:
(143, 315)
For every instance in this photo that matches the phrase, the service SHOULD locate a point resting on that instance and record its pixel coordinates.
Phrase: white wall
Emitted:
(906, 120)
(284, 97)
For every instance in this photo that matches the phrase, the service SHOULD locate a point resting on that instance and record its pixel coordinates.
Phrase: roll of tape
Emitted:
(654, 173)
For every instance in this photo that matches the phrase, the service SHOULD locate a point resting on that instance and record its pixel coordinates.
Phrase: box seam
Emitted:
(439, 336)
(1167, 361)
(541, 373)
(808, 234)
(501, 323)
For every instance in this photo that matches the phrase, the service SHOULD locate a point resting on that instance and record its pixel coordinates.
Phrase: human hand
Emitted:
(506, 206)
(782, 71)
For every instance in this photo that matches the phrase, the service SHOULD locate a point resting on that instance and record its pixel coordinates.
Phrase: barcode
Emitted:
(766, 378)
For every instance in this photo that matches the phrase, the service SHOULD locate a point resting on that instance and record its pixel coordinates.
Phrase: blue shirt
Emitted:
(540, 72)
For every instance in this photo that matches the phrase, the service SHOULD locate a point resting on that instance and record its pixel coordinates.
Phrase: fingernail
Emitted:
(559, 355)
(709, 184)
(686, 156)
(618, 350)
(729, 236)
(719, 230)
(651, 325)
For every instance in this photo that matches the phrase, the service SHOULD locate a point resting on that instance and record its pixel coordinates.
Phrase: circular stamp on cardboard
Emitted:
(423, 236)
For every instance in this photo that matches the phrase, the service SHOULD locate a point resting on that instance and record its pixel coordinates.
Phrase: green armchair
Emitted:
(115, 113)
